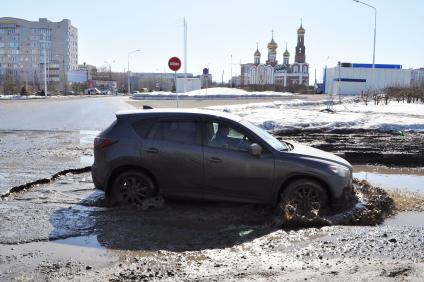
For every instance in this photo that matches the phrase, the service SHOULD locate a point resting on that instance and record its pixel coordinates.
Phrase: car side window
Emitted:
(142, 127)
(179, 131)
(221, 135)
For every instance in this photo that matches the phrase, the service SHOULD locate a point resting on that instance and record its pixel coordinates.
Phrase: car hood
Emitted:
(310, 152)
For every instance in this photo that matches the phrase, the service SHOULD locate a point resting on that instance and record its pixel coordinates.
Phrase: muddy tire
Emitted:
(304, 197)
(131, 188)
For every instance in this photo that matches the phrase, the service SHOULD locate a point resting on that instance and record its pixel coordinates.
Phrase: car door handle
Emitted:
(215, 160)
(152, 150)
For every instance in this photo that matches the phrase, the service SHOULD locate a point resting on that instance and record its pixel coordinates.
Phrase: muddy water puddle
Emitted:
(411, 219)
(398, 178)
(401, 179)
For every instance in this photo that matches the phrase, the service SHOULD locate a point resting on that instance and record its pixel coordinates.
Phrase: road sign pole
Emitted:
(175, 64)
(176, 92)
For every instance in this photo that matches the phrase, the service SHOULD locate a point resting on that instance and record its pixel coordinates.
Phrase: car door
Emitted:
(174, 154)
(231, 173)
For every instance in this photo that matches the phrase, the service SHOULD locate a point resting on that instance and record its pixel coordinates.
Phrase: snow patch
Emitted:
(299, 114)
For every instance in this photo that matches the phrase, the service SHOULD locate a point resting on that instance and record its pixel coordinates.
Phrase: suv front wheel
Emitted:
(132, 187)
(304, 197)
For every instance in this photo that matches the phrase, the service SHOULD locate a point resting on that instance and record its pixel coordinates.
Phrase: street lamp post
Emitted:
(129, 90)
(110, 67)
(375, 28)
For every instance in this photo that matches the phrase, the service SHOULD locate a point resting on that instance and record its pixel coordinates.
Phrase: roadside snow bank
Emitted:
(216, 92)
(19, 97)
(293, 115)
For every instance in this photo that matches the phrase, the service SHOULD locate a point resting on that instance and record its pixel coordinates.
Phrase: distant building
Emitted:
(297, 73)
(257, 73)
(26, 46)
(235, 81)
(272, 73)
(155, 81)
(352, 78)
(418, 77)
(206, 80)
(188, 84)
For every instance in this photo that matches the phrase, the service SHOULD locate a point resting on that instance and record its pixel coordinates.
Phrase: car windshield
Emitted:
(271, 140)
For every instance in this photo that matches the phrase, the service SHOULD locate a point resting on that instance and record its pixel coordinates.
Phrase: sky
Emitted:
(336, 30)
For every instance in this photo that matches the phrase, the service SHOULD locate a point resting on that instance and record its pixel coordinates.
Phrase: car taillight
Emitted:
(103, 142)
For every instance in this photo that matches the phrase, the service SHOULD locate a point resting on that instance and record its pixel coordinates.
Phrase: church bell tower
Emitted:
(300, 47)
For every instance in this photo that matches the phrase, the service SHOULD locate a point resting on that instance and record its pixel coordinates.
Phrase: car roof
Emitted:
(167, 112)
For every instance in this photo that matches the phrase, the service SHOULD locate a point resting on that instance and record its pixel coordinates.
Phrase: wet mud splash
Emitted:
(370, 206)
(29, 185)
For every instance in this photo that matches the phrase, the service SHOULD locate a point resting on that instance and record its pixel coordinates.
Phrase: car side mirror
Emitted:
(255, 150)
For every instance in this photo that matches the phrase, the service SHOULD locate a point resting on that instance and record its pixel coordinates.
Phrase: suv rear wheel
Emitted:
(305, 197)
(132, 187)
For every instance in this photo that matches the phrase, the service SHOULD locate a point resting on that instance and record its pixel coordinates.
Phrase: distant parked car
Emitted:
(213, 155)
(92, 91)
(69, 92)
(39, 93)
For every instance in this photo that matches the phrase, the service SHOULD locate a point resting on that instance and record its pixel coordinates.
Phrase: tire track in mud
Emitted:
(29, 185)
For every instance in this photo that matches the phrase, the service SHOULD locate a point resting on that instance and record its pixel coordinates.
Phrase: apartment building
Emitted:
(33, 50)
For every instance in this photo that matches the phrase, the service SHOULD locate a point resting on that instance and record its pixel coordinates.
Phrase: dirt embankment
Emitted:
(366, 146)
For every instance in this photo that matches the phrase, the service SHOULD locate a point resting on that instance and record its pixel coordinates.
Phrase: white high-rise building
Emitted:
(26, 46)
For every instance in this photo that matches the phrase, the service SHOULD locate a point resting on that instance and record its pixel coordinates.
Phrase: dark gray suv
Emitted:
(213, 155)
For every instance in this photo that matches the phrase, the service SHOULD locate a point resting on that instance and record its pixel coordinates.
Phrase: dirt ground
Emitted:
(63, 231)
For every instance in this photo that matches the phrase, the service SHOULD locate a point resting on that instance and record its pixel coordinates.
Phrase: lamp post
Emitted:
(375, 27)
(129, 90)
(110, 68)
(64, 82)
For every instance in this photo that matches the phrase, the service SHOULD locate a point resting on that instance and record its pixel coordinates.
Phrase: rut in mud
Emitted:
(55, 176)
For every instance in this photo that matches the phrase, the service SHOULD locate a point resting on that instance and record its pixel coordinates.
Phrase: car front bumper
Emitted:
(346, 200)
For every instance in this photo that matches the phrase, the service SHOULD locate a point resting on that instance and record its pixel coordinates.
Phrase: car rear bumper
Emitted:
(98, 178)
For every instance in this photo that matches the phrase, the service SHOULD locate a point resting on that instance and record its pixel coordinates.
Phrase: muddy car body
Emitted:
(212, 155)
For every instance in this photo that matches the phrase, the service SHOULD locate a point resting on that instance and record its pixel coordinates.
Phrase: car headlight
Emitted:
(340, 170)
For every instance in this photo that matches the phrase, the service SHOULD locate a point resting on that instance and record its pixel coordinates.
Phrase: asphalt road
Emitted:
(94, 113)
(68, 114)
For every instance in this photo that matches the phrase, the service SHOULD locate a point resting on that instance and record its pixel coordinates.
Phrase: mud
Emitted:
(405, 149)
(62, 230)
(55, 176)
(369, 206)
(28, 156)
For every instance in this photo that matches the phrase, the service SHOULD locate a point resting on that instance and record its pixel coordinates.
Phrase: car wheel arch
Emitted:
(118, 170)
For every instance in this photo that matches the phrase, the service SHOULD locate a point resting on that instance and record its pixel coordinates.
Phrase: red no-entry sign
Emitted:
(174, 63)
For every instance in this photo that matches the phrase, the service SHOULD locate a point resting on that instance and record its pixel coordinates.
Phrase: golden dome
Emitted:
(301, 30)
(257, 53)
(272, 44)
(286, 53)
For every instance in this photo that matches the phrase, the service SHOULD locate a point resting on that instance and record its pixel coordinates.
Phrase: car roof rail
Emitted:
(146, 107)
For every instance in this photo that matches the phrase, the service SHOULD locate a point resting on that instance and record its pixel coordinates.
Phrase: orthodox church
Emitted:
(272, 73)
